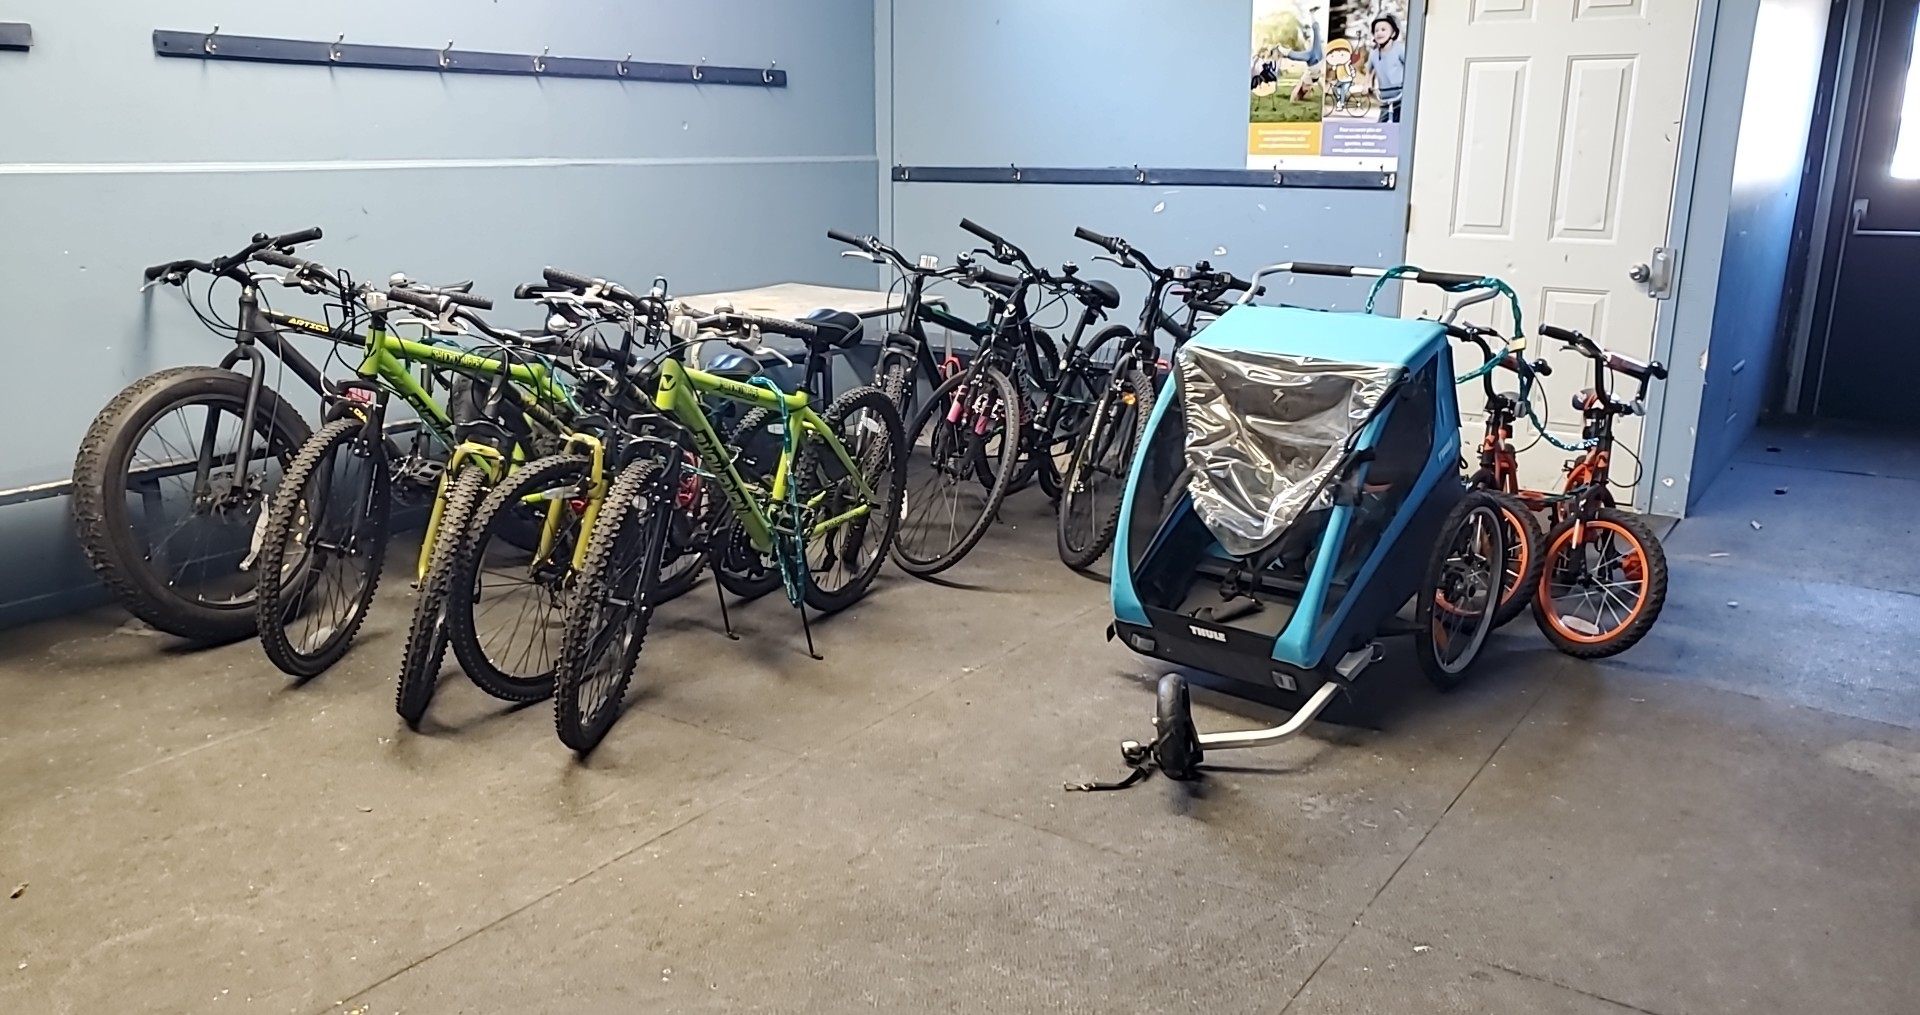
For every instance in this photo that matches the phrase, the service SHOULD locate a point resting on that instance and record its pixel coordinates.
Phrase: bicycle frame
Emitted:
(678, 394)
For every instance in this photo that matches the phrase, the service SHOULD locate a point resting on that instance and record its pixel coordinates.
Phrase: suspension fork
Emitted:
(252, 324)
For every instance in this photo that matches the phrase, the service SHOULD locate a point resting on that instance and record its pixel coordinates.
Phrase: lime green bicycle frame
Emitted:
(386, 361)
(678, 395)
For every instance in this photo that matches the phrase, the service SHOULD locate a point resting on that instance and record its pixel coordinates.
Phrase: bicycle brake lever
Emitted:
(1110, 257)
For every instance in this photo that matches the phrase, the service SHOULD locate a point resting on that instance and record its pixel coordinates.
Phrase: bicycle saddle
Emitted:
(1104, 293)
(834, 329)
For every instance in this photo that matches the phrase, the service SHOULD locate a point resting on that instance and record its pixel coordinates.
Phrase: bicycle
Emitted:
(970, 428)
(1096, 476)
(1603, 576)
(905, 355)
(825, 518)
(324, 539)
(234, 437)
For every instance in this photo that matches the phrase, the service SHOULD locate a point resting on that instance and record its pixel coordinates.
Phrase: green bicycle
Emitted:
(323, 542)
(826, 516)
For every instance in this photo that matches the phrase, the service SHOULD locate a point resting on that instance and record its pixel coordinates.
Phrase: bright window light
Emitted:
(1906, 150)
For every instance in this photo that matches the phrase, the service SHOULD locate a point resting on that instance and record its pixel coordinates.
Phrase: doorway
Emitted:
(1863, 332)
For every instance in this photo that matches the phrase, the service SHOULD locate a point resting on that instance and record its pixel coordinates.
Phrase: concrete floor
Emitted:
(1722, 820)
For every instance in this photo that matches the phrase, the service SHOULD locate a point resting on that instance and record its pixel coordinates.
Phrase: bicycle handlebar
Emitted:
(851, 240)
(984, 233)
(992, 277)
(775, 325)
(1119, 248)
(223, 265)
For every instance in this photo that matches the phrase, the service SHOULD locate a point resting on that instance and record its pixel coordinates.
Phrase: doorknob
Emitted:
(1641, 273)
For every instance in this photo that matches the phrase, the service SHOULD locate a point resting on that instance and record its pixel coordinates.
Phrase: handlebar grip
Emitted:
(155, 271)
(292, 239)
(792, 329)
(1231, 284)
(430, 302)
(1563, 335)
(1112, 245)
(469, 300)
(1316, 268)
(1444, 279)
(849, 239)
(566, 279)
(992, 277)
(280, 260)
(984, 233)
(1541, 367)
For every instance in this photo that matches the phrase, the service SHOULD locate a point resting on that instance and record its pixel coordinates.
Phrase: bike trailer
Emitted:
(1287, 496)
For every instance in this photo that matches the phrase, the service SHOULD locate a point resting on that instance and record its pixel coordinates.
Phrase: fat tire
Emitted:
(103, 524)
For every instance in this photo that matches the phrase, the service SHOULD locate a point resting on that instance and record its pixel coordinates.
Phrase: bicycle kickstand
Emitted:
(807, 629)
(726, 622)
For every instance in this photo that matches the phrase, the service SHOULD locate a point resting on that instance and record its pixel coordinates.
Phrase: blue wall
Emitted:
(1744, 189)
(1743, 366)
(1118, 83)
(113, 159)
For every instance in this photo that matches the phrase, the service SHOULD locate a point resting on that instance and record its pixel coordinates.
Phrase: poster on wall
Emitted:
(1327, 77)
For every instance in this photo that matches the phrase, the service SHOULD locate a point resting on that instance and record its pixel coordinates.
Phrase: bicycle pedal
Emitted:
(421, 472)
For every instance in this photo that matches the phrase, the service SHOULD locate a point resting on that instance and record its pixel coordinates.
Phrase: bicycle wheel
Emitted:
(1603, 582)
(1524, 543)
(842, 561)
(613, 602)
(1078, 393)
(427, 637)
(1455, 608)
(1096, 477)
(686, 554)
(737, 566)
(321, 553)
(945, 513)
(506, 605)
(182, 559)
(893, 383)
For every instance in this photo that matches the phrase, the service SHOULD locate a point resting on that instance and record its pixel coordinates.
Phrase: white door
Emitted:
(1544, 154)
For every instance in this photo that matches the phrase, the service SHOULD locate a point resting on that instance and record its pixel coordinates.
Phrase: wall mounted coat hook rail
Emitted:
(340, 53)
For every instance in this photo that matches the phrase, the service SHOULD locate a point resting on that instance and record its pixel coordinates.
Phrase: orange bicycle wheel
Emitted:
(1603, 582)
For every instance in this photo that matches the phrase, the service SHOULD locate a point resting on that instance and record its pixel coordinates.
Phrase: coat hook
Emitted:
(1016, 173)
(208, 44)
(446, 60)
(540, 62)
(333, 51)
(621, 67)
(767, 75)
(1139, 175)
(697, 72)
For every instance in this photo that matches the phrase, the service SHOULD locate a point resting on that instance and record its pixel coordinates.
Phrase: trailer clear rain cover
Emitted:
(1264, 430)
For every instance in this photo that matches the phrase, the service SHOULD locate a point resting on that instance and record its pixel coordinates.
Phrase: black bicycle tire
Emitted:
(1649, 612)
(1516, 602)
(1103, 530)
(583, 733)
(874, 400)
(893, 382)
(729, 537)
(270, 614)
(933, 565)
(426, 649)
(463, 633)
(1424, 598)
(104, 525)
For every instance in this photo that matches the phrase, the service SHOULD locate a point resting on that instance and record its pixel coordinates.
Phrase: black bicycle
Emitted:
(964, 442)
(1095, 480)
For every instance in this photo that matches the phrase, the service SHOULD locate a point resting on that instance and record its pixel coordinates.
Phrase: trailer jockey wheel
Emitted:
(1176, 746)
